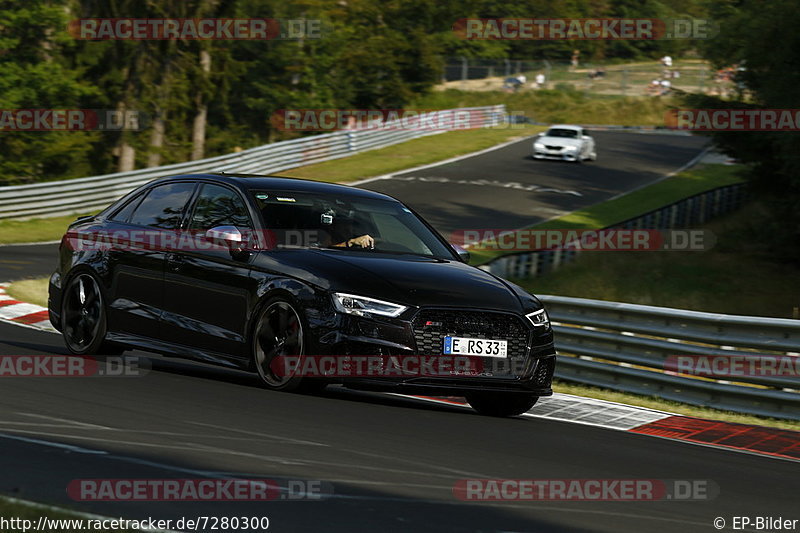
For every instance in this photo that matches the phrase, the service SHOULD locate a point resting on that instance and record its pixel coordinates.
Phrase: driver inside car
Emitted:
(363, 241)
(340, 227)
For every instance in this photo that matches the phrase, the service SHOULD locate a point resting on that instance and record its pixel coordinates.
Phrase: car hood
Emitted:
(404, 279)
(558, 141)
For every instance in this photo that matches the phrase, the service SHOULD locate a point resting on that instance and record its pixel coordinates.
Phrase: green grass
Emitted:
(554, 106)
(690, 182)
(32, 291)
(739, 275)
(34, 230)
(410, 154)
(659, 404)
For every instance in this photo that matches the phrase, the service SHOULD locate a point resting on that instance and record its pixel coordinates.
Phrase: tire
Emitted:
(83, 317)
(277, 322)
(501, 404)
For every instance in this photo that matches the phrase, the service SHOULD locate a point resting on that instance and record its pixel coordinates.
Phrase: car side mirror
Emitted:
(462, 252)
(228, 236)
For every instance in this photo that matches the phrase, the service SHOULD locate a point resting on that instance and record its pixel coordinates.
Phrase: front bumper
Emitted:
(532, 354)
(538, 383)
(559, 156)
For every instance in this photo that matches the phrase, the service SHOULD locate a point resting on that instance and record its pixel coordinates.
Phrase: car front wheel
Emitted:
(501, 404)
(278, 345)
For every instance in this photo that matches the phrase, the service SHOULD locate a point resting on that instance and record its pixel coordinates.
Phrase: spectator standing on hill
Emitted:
(576, 54)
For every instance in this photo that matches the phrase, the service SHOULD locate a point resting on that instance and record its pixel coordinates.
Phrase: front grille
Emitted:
(432, 325)
(554, 148)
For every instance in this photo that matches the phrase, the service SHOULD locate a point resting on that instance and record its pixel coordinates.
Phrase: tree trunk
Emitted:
(126, 152)
(127, 157)
(199, 126)
(156, 140)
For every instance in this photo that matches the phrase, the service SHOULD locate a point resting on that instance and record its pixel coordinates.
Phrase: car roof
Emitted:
(250, 182)
(566, 127)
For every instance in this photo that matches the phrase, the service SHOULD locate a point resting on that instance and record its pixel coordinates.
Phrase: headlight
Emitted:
(539, 318)
(538, 146)
(570, 148)
(364, 306)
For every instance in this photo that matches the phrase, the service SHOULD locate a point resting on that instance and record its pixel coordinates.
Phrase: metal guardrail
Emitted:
(87, 194)
(684, 213)
(627, 346)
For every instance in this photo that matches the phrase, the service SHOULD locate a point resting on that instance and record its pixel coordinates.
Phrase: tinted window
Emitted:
(318, 220)
(163, 207)
(561, 132)
(123, 214)
(219, 206)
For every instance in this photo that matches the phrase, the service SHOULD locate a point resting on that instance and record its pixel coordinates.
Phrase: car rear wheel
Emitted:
(83, 318)
(501, 404)
(278, 345)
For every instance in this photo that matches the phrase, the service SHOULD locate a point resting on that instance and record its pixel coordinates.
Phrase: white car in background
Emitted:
(565, 142)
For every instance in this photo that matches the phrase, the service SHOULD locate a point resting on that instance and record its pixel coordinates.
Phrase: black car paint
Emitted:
(202, 304)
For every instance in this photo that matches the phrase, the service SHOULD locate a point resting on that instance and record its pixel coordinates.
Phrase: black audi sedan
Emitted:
(249, 271)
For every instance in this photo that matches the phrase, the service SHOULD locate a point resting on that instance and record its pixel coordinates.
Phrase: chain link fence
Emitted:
(647, 78)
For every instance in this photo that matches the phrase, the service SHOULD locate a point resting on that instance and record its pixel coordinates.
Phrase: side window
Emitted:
(123, 214)
(163, 206)
(219, 206)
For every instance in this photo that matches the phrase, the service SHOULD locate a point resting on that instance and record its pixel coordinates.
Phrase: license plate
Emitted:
(471, 346)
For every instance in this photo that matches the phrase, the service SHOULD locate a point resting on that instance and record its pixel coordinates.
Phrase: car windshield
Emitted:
(340, 222)
(562, 132)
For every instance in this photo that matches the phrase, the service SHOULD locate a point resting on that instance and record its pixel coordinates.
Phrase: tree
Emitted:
(762, 38)
(35, 75)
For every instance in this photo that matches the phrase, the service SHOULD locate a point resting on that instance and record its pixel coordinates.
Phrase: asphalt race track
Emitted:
(19, 262)
(389, 463)
(507, 189)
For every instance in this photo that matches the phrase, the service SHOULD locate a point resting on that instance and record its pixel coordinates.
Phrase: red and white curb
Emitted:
(23, 314)
(759, 440)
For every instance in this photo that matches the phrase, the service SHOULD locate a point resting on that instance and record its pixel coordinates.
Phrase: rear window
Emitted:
(123, 214)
